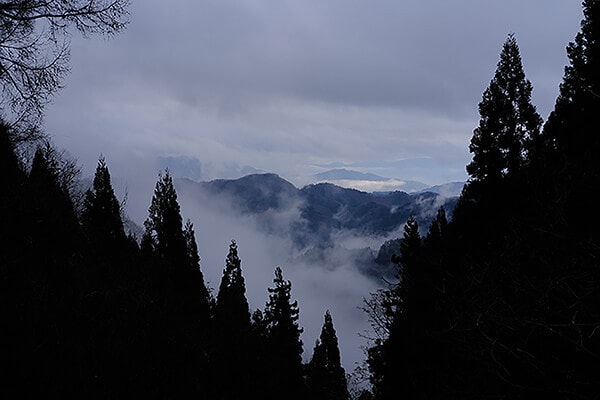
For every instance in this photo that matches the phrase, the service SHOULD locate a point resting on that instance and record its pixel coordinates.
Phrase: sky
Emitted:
(290, 87)
(296, 88)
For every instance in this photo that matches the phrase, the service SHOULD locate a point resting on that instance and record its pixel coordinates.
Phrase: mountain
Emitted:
(317, 216)
(193, 168)
(342, 173)
(367, 181)
(254, 193)
(452, 189)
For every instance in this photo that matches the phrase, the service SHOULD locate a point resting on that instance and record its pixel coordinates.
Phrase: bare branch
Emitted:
(34, 48)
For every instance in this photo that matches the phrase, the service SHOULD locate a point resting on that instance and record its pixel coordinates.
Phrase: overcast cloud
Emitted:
(284, 85)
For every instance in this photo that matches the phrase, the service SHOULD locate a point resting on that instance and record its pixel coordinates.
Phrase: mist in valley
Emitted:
(332, 281)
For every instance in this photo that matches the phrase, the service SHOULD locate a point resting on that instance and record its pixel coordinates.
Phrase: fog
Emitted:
(335, 285)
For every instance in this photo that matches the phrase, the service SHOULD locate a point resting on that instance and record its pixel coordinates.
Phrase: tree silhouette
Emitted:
(233, 359)
(572, 169)
(508, 120)
(326, 378)
(285, 358)
(165, 224)
(232, 312)
(101, 217)
(501, 302)
(180, 310)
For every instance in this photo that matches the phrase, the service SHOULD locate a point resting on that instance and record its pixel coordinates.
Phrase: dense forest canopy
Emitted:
(500, 301)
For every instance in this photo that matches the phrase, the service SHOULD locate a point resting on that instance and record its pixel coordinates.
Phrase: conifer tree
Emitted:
(232, 313)
(56, 229)
(180, 298)
(14, 274)
(12, 209)
(326, 378)
(165, 224)
(409, 273)
(232, 360)
(195, 278)
(411, 242)
(568, 127)
(571, 132)
(392, 361)
(438, 227)
(53, 266)
(508, 120)
(101, 216)
(175, 246)
(281, 316)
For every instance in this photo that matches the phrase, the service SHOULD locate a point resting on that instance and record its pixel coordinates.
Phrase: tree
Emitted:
(194, 283)
(410, 244)
(438, 227)
(232, 313)
(409, 272)
(326, 378)
(571, 132)
(180, 299)
(55, 226)
(12, 209)
(175, 248)
(392, 360)
(281, 316)
(52, 267)
(34, 47)
(164, 224)
(508, 120)
(101, 217)
(232, 362)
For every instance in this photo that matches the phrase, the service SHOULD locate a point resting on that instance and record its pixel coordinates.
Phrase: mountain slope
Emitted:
(317, 216)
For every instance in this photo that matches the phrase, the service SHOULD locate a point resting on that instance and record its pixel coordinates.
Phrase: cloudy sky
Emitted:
(291, 87)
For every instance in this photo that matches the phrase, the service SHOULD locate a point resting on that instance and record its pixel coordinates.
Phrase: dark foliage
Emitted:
(87, 313)
(502, 302)
(326, 378)
(233, 356)
(284, 362)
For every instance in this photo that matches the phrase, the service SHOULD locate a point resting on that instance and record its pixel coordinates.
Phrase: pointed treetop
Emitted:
(326, 377)
(411, 240)
(438, 226)
(279, 309)
(165, 224)
(508, 120)
(329, 342)
(283, 337)
(101, 217)
(232, 310)
(572, 126)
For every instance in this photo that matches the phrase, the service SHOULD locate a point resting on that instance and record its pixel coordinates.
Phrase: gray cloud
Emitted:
(281, 85)
(436, 55)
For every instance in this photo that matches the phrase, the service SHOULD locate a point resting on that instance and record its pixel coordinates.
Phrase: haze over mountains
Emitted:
(353, 176)
(318, 217)
(334, 243)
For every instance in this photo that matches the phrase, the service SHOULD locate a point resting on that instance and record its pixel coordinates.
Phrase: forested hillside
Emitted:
(88, 312)
(503, 301)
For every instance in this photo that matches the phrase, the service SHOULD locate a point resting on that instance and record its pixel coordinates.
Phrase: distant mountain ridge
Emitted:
(342, 173)
(321, 212)
(324, 206)
(367, 181)
(451, 189)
